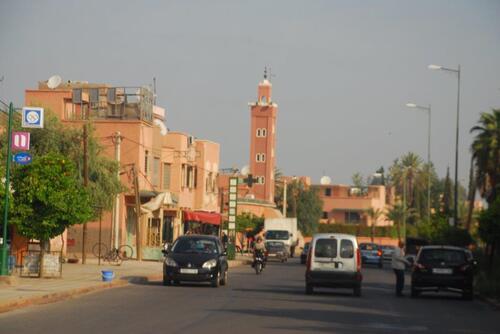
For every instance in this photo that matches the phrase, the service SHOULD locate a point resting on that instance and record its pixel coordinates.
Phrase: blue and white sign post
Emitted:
(32, 117)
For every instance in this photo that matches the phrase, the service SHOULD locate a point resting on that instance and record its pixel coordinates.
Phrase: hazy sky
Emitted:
(344, 70)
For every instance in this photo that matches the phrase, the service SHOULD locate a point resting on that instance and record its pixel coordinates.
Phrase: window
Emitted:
(260, 157)
(346, 249)
(261, 180)
(259, 133)
(263, 99)
(156, 172)
(325, 215)
(264, 132)
(326, 248)
(328, 192)
(184, 177)
(166, 175)
(352, 217)
(146, 162)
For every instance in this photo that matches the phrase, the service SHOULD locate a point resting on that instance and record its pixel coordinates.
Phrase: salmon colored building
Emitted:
(176, 173)
(343, 204)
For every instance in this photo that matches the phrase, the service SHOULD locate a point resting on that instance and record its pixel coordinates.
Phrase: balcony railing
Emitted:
(107, 103)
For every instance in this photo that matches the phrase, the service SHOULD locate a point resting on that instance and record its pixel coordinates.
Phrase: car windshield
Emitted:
(277, 235)
(326, 248)
(448, 256)
(195, 245)
(387, 247)
(368, 247)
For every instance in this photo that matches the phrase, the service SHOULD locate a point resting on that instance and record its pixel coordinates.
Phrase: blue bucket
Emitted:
(107, 275)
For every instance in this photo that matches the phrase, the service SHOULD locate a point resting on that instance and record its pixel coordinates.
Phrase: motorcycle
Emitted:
(259, 262)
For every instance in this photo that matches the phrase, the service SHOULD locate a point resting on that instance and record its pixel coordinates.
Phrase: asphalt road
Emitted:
(273, 302)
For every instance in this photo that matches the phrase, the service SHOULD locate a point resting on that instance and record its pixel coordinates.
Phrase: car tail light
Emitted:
(464, 268)
(309, 255)
(379, 253)
(358, 260)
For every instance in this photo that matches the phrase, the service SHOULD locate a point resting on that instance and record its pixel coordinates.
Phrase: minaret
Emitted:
(263, 141)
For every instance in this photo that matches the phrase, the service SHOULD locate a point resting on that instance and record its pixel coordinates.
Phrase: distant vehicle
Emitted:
(303, 254)
(334, 261)
(387, 252)
(196, 258)
(259, 261)
(371, 254)
(282, 229)
(443, 268)
(276, 250)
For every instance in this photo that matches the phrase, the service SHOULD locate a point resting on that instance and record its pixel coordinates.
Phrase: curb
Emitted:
(54, 297)
(58, 296)
(490, 301)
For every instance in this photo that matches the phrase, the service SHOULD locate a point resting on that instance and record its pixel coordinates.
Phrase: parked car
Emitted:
(443, 268)
(276, 250)
(371, 254)
(196, 258)
(303, 254)
(387, 252)
(334, 261)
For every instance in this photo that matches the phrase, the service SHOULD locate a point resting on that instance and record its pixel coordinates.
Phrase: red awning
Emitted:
(202, 217)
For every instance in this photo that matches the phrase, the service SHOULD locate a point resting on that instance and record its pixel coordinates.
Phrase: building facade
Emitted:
(174, 171)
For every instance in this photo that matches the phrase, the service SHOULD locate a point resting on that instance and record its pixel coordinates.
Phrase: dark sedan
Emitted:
(443, 268)
(196, 258)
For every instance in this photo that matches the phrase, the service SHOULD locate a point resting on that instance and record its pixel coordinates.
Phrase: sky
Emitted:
(344, 70)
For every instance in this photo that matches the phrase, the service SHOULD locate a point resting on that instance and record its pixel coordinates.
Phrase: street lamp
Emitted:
(457, 71)
(428, 109)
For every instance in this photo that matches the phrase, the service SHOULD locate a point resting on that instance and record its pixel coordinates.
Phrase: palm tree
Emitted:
(486, 153)
(397, 214)
(374, 215)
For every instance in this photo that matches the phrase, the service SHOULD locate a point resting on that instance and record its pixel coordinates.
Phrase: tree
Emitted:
(447, 195)
(305, 204)
(486, 153)
(48, 198)
(397, 214)
(374, 215)
(489, 229)
(358, 181)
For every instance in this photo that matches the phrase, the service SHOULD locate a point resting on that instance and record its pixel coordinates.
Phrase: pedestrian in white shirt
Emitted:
(398, 265)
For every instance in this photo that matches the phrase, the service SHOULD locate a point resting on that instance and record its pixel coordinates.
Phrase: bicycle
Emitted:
(114, 255)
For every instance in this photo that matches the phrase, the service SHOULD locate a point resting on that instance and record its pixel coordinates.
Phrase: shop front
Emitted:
(201, 222)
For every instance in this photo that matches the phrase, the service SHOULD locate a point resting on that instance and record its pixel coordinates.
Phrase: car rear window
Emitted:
(448, 256)
(346, 249)
(368, 247)
(198, 245)
(326, 248)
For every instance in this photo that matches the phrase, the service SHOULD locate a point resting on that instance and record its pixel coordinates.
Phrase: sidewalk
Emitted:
(79, 279)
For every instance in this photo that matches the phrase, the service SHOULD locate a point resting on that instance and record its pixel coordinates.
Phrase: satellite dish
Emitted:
(161, 125)
(245, 170)
(54, 81)
(325, 180)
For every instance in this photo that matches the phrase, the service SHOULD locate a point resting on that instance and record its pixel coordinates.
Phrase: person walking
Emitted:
(398, 264)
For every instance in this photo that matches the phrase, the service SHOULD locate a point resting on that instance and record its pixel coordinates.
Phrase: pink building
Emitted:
(176, 172)
(343, 204)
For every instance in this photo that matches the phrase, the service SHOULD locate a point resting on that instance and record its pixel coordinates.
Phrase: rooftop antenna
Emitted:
(265, 72)
(154, 90)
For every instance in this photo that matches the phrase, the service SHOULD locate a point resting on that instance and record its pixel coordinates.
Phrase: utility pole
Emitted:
(85, 184)
(117, 139)
(4, 249)
(284, 198)
(137, 214)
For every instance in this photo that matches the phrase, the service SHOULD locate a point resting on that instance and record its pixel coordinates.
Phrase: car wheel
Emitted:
(357, 291)
(414, 292)
(223, 281)
(215, 281)
(176, 282)
(166, 281)
(309, 289)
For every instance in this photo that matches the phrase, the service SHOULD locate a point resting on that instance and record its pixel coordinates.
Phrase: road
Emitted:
(272, 302)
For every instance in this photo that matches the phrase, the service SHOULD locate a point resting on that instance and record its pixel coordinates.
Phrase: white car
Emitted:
(334, 261)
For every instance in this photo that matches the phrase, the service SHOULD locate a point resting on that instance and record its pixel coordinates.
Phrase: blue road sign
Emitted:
(22, 158)
(32, 117)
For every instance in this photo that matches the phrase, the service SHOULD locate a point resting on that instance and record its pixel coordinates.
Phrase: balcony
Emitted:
(110, 103)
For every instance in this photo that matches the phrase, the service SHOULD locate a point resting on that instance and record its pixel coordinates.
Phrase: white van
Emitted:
(334, 261)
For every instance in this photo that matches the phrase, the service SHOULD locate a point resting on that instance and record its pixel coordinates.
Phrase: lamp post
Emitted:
(4, 248)
(428, 109)
(457, 71)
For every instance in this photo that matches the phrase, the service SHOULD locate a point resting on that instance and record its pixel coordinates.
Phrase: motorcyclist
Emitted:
(260, 248)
